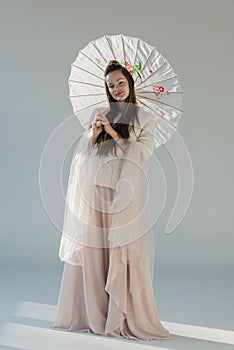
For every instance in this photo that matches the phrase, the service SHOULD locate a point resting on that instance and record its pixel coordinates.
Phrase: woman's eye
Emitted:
(111, 87)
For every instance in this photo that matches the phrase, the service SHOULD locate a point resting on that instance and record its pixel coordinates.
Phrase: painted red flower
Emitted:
(158, 89)
(127, 64)
(128, 67)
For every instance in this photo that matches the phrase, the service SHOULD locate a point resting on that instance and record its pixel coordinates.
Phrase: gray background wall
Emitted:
(40, 40)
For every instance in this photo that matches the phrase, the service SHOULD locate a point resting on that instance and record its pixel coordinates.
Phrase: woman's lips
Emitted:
(119, 93)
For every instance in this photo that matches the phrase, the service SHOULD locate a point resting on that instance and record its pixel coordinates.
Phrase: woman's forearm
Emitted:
(119, 140)
(91, 143)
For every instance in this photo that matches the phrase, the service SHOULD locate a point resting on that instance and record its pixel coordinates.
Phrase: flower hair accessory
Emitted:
(132, 69)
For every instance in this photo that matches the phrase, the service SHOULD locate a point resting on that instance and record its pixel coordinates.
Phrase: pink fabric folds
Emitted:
(108, 248)
(110, 293)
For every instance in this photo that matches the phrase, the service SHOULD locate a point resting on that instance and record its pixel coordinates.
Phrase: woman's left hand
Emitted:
(101, 119)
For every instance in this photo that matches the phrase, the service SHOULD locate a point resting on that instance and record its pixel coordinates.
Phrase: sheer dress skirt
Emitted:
(111, 293)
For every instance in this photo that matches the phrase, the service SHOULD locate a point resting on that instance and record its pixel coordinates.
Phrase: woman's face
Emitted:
(118, 85)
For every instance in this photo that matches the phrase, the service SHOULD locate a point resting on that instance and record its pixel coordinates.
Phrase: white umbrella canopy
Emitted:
(157, 87)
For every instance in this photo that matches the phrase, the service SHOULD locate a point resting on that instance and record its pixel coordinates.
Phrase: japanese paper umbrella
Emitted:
(157, 86)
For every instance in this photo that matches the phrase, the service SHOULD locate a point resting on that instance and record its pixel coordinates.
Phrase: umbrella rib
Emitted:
(158, 81)
(110, 46)
(83, 82)
(136, 52)
(99, 51)
(144, 64)
(89, 106)
(87, 95)
(155, 124)
(166, 104)
(90, 125)
(92, 61)
(86, 71)
(152, 73)
(171, 92)
(123, 48)
(174, 76)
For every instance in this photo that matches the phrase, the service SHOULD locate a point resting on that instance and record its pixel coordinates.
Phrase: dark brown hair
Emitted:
(129, 113)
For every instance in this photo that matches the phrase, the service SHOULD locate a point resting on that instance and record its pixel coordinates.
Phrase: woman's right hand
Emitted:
(96, 128)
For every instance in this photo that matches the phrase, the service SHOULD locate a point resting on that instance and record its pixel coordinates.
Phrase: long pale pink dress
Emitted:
(111, 293)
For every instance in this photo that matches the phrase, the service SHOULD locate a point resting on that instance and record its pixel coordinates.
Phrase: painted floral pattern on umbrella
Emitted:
(158, 89)
(132, 69)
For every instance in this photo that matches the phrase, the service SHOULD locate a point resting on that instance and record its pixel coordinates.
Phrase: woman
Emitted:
(106, 244)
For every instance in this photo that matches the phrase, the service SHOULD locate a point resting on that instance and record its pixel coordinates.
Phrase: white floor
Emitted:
(196, 306)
